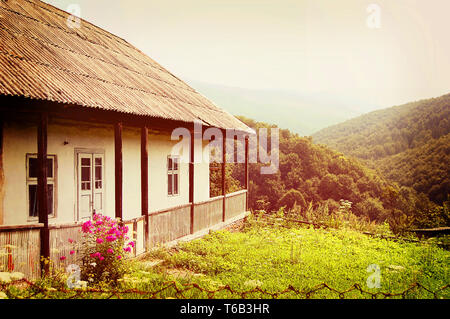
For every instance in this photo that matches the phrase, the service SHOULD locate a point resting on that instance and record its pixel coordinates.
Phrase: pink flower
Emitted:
(62, 257)
(102, 258)
(110, 251)
(97, 254)
(131, 243)
(70, 240)
(86, 227)
(119, 257)
(99, 240)
(72, 252)
(127, 249)
(111, 238)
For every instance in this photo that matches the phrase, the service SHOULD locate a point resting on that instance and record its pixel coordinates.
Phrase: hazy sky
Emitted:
(311, 46)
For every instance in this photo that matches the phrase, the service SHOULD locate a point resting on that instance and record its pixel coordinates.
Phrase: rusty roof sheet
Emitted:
(41, 57)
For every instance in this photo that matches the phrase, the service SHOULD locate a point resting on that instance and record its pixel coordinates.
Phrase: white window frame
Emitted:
(34, 181)
(172, 172)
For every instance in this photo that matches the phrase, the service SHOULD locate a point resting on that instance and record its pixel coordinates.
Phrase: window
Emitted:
(32, 175)
(173, 170)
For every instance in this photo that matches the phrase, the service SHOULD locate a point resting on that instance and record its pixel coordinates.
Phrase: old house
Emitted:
(85, 126)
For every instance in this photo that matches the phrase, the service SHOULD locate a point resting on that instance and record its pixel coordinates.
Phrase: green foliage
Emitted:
(291, 198)
(321, 175)
(409, 144)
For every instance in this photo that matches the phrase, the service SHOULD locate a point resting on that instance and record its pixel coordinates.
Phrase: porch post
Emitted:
(246, 173)
(224, 159)
(2, 177)
(191, 178)
(144, 181)
(42, 191)
(118, 168)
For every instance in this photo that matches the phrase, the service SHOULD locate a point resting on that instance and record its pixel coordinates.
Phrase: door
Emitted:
(90, 184)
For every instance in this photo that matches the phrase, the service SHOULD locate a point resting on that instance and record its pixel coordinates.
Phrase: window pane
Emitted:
(175, 163)
(169, 184)
(33, 167)
(85, 174)
(32, 203)
(175, 183)
(169, 164)
(86, 162)
(98, 173)
(98, 161)
(50, 167)
(33, 206)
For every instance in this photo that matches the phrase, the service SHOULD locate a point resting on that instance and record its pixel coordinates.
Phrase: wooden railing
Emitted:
(20, 244)
(20, 249)
(208, 213)
(235, 203)
(169, 224)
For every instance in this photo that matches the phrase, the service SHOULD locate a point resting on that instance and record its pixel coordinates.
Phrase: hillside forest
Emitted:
(408, 144)
(314, 177)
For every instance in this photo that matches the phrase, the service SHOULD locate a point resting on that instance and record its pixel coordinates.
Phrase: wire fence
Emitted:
(25, 289)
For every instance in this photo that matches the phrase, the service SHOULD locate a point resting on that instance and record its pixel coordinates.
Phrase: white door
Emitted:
(90, 184)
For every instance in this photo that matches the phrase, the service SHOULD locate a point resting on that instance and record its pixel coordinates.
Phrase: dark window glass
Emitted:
(175, 183)
(32, 196)
(86, 162)
(169, 184)
(85, 174)
(33, 200)
(33, 167)
(175, 164)
(98, 173)
(98, 161)
(169, 164)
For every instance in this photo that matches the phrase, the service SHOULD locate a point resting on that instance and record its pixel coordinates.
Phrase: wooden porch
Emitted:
(21, 245)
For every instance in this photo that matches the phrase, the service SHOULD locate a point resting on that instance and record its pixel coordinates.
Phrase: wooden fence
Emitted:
(20, 249)
(208, 213)
(235, 204)
(20, 245)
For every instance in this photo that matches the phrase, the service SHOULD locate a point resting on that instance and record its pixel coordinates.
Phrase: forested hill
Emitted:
(407, 143)
(311, 173)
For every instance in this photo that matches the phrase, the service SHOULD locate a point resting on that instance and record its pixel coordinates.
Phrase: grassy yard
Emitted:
(274, 258)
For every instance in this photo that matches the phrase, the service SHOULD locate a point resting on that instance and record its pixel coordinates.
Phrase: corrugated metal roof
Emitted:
(41, 57)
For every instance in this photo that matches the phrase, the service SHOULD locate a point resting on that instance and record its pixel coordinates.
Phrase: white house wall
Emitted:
(19, 138)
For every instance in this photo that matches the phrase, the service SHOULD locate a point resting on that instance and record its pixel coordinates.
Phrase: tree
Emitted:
(291, 198)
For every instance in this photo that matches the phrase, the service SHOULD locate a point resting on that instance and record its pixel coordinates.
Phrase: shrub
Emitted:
(291, 198)
(102, 250)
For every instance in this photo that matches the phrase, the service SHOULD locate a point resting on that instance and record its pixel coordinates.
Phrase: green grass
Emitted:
(275, 257)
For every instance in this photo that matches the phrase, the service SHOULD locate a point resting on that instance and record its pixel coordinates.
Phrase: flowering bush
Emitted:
(103, 246)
